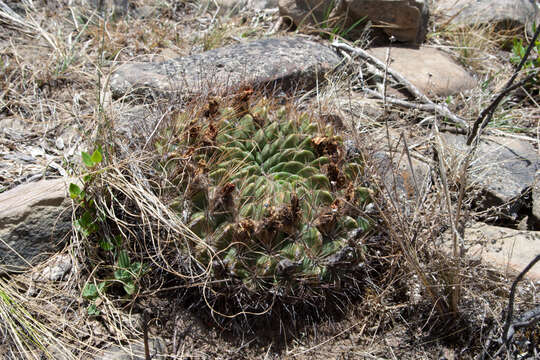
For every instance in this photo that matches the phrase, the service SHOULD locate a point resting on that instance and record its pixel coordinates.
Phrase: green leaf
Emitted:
(130, 288)
(87, 159)
(106, 245)
(86, 218)
(136, 267)
(363, 223)
(96, 157)
(122, 275)
(93, 310)
(123, 259)
(74, 191)
(91, 291)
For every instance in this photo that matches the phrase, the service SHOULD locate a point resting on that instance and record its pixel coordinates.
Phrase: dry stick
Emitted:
(487, 114)
(510, 309)
(527, 319)
(404, 103)
(440, 109)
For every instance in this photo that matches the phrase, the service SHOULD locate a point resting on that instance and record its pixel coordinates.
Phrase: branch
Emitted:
(441, 110)
(510, 309)
(426, 107)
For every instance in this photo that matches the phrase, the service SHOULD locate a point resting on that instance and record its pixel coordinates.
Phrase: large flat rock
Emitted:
(508, 13)
(432, 71)
(507, 249)
(503, 169)
(34, 219)
(289, 62)
(406, 20)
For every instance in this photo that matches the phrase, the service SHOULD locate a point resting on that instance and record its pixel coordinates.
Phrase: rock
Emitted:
(135, 351)
(264, 4)
(406, 20)
(57, 268)
(536, 202)
(398, 176)
(432, 71)
(507, 13)
(117, 7)
(309, 12)
(507, 249)
(34, 220)
(503, 169)
(286, 62)
(237, 6)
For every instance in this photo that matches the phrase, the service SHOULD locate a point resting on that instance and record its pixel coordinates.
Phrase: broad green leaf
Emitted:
(82, 229)
(90, 292)
(106, 245)
(130, 288)
(74, 191)
(86, 219)
(96, 157)
(122, 275)
(136, 267)
(93, 310)
(363, 223)
(87, 159)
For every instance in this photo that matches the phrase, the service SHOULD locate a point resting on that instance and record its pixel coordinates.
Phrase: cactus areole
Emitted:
(273, 198)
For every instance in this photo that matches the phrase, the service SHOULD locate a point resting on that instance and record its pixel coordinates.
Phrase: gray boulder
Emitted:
(406, 20)
(280, 62)
(35, 219)
(503, 170)
(507, 13)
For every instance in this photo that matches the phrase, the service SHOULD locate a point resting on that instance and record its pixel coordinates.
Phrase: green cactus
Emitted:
(273, 197)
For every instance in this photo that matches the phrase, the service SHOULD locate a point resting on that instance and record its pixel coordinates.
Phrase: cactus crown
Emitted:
(274, 199)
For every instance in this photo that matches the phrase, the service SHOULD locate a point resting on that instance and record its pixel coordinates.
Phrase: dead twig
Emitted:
(440, 109)
(528, 318)
(509, 327)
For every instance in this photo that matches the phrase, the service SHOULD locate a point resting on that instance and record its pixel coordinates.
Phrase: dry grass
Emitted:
(417, 300)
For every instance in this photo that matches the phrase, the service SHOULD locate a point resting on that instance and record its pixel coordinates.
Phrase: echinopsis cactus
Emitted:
(274, 200)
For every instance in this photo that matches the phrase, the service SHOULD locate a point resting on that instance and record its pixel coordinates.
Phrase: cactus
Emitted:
(272, 196)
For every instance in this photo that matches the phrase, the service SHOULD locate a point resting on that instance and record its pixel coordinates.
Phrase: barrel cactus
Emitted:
(273, 197)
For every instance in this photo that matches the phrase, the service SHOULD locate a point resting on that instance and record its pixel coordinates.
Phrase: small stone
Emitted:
(135, 351)
(34, 219)
(432, 71)
(56, 270)
(239, 6)
(59, 143)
